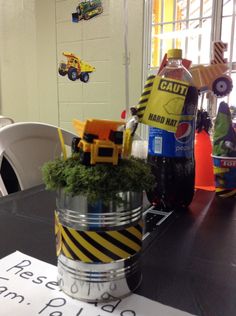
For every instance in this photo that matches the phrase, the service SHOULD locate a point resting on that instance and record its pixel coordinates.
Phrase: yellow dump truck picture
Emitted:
(75, 68)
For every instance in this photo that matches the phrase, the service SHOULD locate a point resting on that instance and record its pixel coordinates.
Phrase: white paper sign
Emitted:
(28, 287)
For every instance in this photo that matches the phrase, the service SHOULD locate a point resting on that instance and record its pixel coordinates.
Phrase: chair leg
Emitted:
(3, 190)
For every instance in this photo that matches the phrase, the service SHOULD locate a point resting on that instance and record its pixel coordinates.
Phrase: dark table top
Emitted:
(188, 263)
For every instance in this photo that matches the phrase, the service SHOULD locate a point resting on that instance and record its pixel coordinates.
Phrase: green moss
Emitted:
(102, 181)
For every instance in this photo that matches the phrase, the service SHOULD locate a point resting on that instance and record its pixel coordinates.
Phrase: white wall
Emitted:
(47, 94)
(18, 60)
(99, 41)
(33, 35)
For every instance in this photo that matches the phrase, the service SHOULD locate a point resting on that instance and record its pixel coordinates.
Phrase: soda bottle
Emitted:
(171, 154)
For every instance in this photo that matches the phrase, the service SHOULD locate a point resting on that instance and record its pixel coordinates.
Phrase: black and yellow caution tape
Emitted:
(145, 96)
(57, 235)
(98, 247)
(218, 52)
(224, 193)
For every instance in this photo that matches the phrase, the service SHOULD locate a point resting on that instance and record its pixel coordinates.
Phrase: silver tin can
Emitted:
(98, 246)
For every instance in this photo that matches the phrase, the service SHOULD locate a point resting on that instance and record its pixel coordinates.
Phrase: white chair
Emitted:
(27, 146)
(5, 121)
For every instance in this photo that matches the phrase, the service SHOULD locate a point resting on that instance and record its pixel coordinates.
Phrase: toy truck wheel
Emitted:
(85, 158)
(222, 86)
(62, 72)
(86, 16)
(84, 77)
(72, 74)
(116, 137)
(89, 137)
(74, 144)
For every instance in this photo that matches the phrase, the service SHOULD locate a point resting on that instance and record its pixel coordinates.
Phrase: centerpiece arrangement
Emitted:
(99, 211)
(224, 152)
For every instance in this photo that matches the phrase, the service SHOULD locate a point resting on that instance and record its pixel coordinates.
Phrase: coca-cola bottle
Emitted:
(171, 154)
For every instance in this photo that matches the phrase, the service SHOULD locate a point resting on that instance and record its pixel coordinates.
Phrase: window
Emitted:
(192, 25)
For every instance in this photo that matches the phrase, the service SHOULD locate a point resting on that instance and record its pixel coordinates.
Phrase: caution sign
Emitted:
(164, 106)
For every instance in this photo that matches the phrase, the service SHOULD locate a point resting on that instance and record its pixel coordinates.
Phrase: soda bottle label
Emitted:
(161, 104)
(168, 144)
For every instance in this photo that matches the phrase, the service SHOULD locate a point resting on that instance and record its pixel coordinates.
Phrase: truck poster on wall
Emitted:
(87, 10)
(75, 68)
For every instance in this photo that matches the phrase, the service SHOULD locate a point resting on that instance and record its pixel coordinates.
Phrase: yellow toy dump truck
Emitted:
(212, 78)
(99, 141)
(75, 68)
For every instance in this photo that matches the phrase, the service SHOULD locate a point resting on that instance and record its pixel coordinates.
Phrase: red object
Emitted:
(183, 130)
(123, 114)
(204, 175)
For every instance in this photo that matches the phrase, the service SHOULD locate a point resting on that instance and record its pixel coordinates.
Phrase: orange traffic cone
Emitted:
(204, 175)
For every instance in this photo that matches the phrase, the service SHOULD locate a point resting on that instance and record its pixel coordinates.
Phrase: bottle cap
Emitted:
(174, 53)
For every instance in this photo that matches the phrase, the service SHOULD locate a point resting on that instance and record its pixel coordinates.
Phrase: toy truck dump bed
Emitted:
(212, 78)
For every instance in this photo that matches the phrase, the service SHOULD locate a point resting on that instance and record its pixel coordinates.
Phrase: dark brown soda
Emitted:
(175, 176)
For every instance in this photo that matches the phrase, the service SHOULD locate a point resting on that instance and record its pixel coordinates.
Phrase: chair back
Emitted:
(27, 146)
(5, 121)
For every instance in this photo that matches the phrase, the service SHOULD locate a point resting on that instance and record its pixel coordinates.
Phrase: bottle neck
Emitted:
(172, 62)
(176, 70)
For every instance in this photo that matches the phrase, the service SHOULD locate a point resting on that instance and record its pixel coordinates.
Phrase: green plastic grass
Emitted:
(101, 181)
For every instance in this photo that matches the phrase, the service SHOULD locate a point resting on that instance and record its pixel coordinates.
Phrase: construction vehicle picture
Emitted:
(99, 141)
(212, 78)
(86, 10)
(75, 68)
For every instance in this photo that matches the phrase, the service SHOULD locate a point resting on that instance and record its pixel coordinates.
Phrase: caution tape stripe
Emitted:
(98, 245)
(145, 92)
(92, 247)
(148, 85)
(136, 246)
(72, 246)
(145, 95)
(108, 246)
(140, 115)
(142, 108)
(141, 101)
(80, 245)
(232, 193)
(57, 224)
(149, 80)
(67, 252)
(225, 192)
(68, 249)
(139, 227)
(130, 236)
(136, 231)
(126, 247)
(219, 49)
(57, 234)
(56, 228)
(218, 55)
